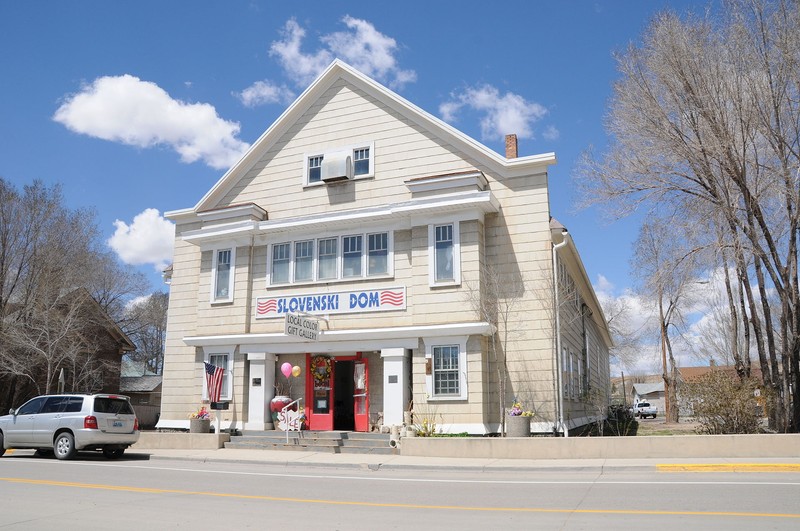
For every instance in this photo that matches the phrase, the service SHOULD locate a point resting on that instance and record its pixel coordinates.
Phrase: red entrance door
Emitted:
(361, 395)
(337, 393)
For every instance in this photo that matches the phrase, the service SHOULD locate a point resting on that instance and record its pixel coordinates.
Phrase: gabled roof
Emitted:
(339, 70)
(692, 373)
(139, 384)
(643, 389)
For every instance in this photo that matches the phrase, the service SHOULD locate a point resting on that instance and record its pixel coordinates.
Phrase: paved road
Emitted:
(152, 491)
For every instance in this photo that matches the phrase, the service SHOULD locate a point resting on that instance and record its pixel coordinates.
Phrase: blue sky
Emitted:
(138, 108)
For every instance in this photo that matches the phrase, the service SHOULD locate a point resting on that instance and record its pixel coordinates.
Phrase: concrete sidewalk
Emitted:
(291, 459)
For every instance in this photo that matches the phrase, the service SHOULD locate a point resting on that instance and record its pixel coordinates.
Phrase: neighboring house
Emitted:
(649, 392)
(87, 342)
(145, 395)
(689, 374)
(379, 223)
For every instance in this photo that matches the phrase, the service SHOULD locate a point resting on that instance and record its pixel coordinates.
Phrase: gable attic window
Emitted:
(362, 156)
(314, 169)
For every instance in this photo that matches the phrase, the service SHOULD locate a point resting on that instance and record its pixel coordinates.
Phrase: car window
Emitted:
(54, 404)
(32, 406)
(644, 404)
(112, 405)
(73, 404)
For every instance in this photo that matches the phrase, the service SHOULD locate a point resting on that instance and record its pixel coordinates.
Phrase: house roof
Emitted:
(139, 384)
(338, 70)
(691, 373)
(643, 389)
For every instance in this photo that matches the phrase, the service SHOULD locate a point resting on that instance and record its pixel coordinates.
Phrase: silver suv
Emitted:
(64, 424)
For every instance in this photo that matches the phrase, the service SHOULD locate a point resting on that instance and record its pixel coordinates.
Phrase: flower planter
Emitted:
(518, 426)
(199, 425)
(277, 404)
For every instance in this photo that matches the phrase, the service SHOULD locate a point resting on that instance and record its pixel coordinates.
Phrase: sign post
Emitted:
(305, 328)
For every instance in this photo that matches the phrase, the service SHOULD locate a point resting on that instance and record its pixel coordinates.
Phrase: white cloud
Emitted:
(551, 133)
(136, 301)
(363, 47)
(502, 113)
(265, 92)
(148, 240)
(139, 113)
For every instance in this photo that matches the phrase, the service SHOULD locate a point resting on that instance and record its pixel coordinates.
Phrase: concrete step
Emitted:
(315, 441)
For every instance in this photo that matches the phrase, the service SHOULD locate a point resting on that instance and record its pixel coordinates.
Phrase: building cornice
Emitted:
(466, 205)
(342, 340)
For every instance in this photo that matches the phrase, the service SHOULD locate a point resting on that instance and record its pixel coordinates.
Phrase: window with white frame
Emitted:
(281, 262)
(327, 258)
(445, 370)
(220, 359)
(304, 260)
(444, 254)
(447, 359)
(331, 258)
(315, 169)
(362, 157)
(361, 161)
(352, 256)
(378, 254)
(222, 274)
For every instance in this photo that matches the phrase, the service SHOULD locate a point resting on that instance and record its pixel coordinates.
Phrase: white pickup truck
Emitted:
(644, 410)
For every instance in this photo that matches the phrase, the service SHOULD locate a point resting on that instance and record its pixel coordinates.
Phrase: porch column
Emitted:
(261, 391)
(395, 385)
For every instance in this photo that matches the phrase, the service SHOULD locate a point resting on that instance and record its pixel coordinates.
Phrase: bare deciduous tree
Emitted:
(147, 326)
(54, 272)
(707, 113)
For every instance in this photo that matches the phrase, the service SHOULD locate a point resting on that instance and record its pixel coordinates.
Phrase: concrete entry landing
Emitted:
(338, 442)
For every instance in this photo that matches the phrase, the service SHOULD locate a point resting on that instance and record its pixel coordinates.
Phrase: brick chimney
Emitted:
(511, 146)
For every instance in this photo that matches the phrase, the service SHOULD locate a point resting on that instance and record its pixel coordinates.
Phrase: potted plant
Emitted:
(200, 421)
(283, 391)
(518, 423)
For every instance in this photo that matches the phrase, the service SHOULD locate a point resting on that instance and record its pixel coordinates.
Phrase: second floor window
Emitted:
(444, 253)
(327, 258)
(222, 275)
(352, 256)
(331, 258)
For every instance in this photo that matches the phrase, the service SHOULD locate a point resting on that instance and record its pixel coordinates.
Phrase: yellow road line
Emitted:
(730, 467)
(149, 490)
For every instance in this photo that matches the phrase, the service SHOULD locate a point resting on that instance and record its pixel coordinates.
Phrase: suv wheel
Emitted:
(113, 453)
(64, 446)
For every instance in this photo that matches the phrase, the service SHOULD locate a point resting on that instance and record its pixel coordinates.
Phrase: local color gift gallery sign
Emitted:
(379, 300)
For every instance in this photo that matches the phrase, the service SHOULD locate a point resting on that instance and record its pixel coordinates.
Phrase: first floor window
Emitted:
(221, 360)
(281, 260)
(446, 378)
(222, 274)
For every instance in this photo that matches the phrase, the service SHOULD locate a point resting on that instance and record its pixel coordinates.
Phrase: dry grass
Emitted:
(658, 426)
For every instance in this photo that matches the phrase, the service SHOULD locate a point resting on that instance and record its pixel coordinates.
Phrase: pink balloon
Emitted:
(286, 369)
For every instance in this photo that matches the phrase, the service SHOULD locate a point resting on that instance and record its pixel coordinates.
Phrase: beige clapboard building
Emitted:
(427, 262)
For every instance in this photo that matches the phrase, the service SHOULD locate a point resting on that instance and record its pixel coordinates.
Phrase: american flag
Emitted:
(214, 381)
